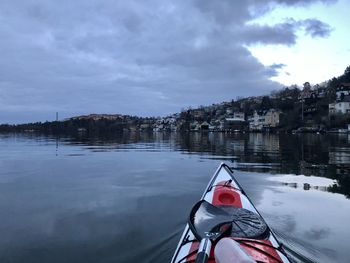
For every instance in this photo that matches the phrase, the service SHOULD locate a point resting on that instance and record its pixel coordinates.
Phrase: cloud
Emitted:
(134, 58)
(283, 33)
(316, 28)
(303, 2)
(317, 233)
(276, 68)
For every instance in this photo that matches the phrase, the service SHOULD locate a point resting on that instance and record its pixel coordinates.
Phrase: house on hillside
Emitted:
(308, 99)
(343, 92)
(198, 113)
(342, 107)
(272, 118)
(342, 103)
(321, 92)
(264, 120)
(307, 96)
(204, 126)
(237, 122)
(239, 116)
(256, 122)
(97, 117)
(194, 126)
(229, 111)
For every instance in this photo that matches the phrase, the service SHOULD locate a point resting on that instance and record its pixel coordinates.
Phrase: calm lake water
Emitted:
(126, 198)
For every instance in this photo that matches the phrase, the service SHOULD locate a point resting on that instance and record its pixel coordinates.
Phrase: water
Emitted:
(126, 198)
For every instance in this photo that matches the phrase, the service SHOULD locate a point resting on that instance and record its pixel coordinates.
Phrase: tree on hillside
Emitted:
(346, 76)
(266, 103)
(347, 70)
(333, 83)
(307, 85)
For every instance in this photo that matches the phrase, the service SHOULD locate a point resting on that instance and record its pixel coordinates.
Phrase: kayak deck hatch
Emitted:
(224, 199)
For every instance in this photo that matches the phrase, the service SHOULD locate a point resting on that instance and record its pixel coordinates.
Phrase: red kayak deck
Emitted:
(223, 190)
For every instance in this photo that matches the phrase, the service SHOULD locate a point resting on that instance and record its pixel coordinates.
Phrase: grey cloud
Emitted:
(275, 68)
(278, 66)
(303, 2)
(316, 28)
(225, 11)
(130, 57)
(317, 233)
(283, 33)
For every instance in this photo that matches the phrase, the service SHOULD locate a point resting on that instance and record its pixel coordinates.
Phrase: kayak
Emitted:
(224, 226)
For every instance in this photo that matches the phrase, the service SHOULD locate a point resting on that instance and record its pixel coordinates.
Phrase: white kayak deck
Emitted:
(222, 174)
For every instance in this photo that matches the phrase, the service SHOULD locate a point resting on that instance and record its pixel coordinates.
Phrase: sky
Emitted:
(157, 57)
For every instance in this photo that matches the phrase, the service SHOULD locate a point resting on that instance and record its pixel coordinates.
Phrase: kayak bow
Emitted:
(245, 233)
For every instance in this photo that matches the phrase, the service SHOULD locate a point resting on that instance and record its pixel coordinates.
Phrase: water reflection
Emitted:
(309, 154)
(305, 182)
(309, 219)
(125, 197)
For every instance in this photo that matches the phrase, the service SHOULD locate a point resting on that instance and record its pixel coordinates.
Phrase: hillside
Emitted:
(309, 107)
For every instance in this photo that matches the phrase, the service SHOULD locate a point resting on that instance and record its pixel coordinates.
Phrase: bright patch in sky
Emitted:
(311, 59)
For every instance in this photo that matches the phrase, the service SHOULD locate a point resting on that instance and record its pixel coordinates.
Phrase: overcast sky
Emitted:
(156, 57)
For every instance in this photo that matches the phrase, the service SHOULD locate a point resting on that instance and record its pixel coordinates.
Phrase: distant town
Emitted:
(320, 108)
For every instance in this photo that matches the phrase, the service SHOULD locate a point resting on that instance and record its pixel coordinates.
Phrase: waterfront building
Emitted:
(342, 107)
(256, 122)
(272, 118)
(264, 119)
(204, 126)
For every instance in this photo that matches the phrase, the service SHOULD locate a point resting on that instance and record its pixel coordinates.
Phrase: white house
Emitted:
(267, 119)
(257, 121)
(342, 107)
(272, 118)
(237, 117)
